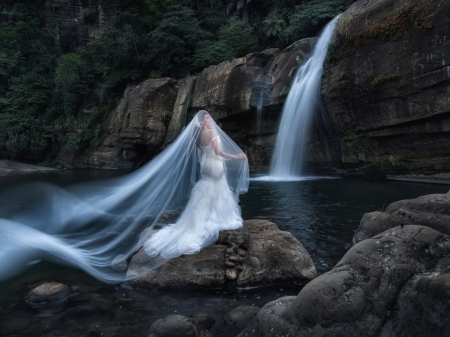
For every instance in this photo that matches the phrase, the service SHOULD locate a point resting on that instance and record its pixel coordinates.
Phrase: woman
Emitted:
(89, 225)
(212, 206)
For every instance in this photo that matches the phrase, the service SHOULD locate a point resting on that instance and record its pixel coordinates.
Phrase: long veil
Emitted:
(89, 225)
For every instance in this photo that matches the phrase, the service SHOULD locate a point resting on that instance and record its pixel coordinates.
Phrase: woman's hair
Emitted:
(200, 116)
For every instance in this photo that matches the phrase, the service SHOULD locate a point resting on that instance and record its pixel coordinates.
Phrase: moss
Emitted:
(382, 79)
(336, 90)
(391, 28)
(363, 146)
(166, 115)
(223, 238)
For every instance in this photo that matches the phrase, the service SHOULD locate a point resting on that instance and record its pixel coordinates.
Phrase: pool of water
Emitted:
(322, 213)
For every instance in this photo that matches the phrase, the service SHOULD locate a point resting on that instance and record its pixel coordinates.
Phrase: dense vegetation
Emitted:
(58, 84)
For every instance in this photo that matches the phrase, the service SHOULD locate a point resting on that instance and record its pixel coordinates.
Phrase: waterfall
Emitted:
(298, 110)
(188, 101)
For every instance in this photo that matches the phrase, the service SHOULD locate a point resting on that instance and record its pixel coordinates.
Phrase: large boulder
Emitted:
(357, 296)
(386, 85)
(257, 254)
(423, 306)
(430, 210)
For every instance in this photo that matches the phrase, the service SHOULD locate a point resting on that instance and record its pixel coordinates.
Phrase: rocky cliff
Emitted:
(386, 87)
(79, 21)
(385, 90)
(151, 114)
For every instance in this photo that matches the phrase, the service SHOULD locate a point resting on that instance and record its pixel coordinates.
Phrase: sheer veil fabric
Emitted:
(88, 225)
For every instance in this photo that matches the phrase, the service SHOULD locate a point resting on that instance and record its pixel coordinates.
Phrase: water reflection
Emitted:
(324, 213)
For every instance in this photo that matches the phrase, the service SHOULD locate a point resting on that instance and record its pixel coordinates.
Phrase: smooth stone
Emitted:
(48, 294)
(241, 316)
(231, 274)
(204, 320)
(229, 264)
(233, 258)
(119, 263)
(176, 326)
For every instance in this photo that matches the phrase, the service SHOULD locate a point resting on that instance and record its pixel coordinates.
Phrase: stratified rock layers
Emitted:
(386, 86)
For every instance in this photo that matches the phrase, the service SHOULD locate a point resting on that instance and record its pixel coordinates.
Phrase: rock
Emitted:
(48, 294)
(386, 86)
(233, 258)
(273, 257)
(430, 210)
(177, 325)
(204, 320)
(240, 316)
(423, 306)
(134, 131)
(229, 264)
(231, 274)
(119, 263)
(357, 296)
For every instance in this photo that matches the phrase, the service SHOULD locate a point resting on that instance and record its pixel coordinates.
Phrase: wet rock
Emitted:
(240, 316)
(231, 274)
(229, 264)
(177, 325)
(48, 294)
(273, 256)
(360, 292)
(431, 210)
(204, 320)
(119, 263)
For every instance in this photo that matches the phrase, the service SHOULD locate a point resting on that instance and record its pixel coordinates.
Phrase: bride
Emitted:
(212, 206)
(90, 225)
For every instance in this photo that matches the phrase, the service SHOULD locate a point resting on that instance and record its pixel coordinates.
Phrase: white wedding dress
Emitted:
(212, 207)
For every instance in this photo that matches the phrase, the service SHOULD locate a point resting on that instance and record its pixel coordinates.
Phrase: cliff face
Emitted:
(151, 114)
(386, 86)
(79, 21)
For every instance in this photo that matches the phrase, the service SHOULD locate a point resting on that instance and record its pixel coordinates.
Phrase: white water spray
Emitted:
(298, 111)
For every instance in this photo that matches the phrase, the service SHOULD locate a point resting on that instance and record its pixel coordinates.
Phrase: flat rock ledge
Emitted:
(394, 284)
(257, 254)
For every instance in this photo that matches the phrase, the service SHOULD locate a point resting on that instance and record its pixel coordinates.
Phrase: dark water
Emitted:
(323, 214)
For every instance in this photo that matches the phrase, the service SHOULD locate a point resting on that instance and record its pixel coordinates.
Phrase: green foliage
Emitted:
(310, 16)
(173, 42)
(27, 61)
(56, 83)
(274, 26)
(234, 40)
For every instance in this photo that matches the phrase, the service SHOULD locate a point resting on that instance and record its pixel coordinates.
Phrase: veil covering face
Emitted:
(89, 225)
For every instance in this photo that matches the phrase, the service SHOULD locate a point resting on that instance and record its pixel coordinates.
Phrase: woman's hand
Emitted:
(240, 156)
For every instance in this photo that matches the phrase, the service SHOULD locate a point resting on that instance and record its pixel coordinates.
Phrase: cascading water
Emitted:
(298, 110)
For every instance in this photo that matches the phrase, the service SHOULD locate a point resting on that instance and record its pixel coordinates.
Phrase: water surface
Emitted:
(321, 213)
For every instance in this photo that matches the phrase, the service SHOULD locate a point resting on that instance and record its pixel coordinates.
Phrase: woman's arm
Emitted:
(224, 154)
